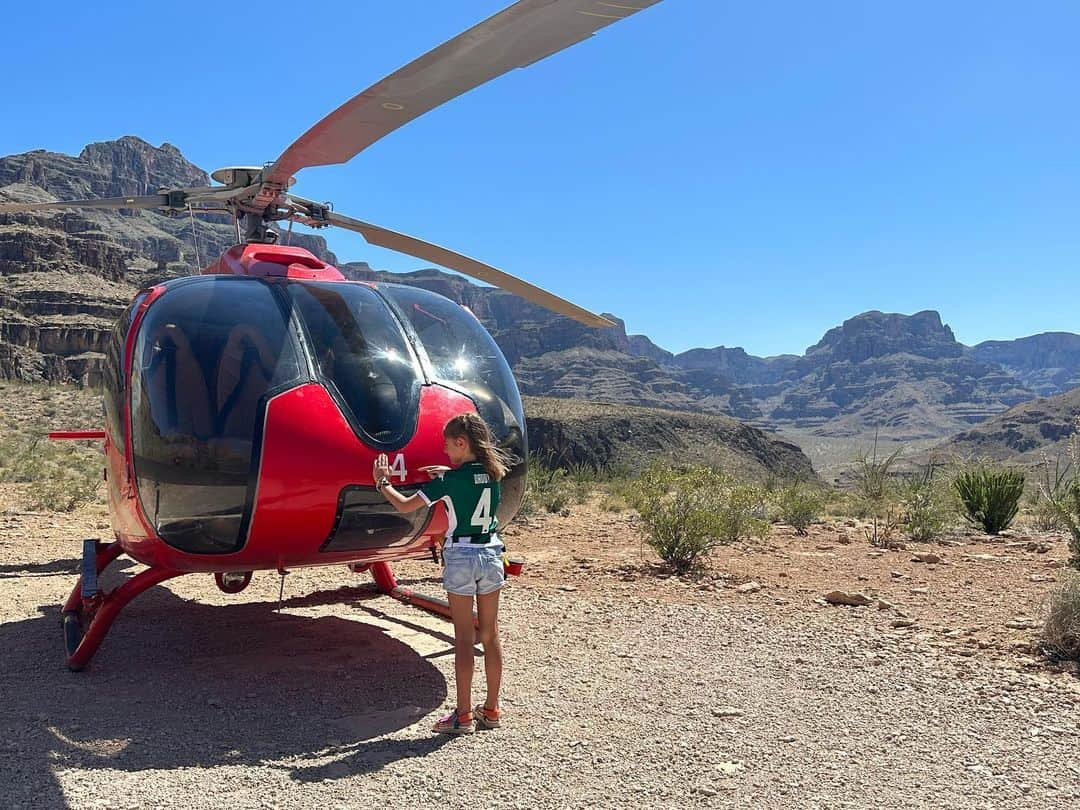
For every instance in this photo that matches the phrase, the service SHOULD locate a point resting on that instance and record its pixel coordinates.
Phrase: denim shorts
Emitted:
(472, 570)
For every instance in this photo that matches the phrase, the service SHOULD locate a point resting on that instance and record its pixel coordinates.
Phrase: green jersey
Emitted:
(471, 497)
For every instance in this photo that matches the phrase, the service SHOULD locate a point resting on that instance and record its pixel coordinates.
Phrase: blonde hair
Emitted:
(474, 430)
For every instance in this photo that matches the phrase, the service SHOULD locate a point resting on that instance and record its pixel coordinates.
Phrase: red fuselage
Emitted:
(245, 408)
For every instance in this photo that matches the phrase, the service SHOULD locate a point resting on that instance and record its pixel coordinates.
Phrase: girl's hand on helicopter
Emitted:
(381, 468)
(435, 470)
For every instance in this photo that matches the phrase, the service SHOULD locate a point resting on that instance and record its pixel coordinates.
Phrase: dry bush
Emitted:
(1061, 630)
(875, 493)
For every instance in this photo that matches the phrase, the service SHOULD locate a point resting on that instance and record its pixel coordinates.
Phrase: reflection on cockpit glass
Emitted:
(464, 355)
(361, 353)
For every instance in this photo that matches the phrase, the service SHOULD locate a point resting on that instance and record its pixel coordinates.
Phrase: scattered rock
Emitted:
(928, 557)
(727, 711)
(883, 604)
(903, 622)
(729, 768)
(1042, 578)
(749, 587)
(920, 591)
(854, 599)
(1023, 623)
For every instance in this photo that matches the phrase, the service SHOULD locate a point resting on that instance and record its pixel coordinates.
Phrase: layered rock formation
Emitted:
(598, 434)
(66, 276)
(1027, 434)
(1048, 363)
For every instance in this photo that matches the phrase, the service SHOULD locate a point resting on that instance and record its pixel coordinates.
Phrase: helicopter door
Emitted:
(208, 352)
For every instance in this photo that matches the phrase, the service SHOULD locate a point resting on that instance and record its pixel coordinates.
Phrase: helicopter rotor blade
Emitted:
(383, 237)
(151, 201)
(169, 199)
(517, 36)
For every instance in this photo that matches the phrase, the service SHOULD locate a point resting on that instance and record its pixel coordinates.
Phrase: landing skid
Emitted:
(89, 612)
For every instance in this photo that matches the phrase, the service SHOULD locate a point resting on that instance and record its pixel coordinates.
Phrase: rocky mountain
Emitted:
(597, 434)
(65, 277)
(1024, 434)
(1048, 363)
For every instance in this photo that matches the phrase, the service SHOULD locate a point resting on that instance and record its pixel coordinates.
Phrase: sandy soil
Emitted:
(624, 686)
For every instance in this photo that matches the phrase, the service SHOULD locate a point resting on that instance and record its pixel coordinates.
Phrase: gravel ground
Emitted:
(621, 690)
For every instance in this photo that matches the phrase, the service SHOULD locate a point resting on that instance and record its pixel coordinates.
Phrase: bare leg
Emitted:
(487, 613)
(461, 611)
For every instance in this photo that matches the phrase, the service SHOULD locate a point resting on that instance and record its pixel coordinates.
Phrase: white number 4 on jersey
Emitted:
(481, 516)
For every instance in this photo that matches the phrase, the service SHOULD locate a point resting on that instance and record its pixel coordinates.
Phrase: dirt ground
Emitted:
(624, 686)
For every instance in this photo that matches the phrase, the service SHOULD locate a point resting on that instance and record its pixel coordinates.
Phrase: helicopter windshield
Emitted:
(208, 352)
(362, 357)
(461, 354)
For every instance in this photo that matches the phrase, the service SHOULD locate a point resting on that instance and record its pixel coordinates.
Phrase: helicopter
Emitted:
(244, 406)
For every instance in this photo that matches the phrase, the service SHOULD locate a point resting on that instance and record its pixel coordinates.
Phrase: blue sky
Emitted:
(745, 174)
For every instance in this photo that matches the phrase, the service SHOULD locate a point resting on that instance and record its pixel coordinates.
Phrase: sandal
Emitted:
(487, 718)
(454, 723)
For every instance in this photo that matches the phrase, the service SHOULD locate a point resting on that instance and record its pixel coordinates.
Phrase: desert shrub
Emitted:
(62, 475)
(990, 496)
(1061, 630)
(1047, 498)
(1068, 508)
(925, 504)
(685, 513)
(548, 489)
(1067, 503)
(799, 506)
(875, 496)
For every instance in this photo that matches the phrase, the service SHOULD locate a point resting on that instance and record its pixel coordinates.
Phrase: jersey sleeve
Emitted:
(433, 490)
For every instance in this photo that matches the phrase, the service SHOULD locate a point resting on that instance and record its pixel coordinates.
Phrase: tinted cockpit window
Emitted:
(362, 355)
(207, 353)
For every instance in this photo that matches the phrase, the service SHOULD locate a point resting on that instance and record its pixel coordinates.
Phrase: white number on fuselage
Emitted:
(397, 469)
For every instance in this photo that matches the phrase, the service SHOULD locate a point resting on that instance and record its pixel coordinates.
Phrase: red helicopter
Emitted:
(244, 407)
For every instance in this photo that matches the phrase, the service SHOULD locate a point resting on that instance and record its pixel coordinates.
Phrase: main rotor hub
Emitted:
(241, 176)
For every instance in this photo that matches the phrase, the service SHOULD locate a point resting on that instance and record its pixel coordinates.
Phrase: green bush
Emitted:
(686, 513)
(990, 495)
(926, 509)
(799, 506)
(547, 489)
(64, 475)
(1061, 630)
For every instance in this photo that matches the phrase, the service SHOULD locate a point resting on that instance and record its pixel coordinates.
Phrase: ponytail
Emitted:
(474, 430)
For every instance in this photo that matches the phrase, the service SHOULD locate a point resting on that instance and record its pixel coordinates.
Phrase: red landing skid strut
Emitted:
(89, 612)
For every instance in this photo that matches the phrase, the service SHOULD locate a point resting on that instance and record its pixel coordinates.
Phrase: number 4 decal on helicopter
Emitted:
(397, 468)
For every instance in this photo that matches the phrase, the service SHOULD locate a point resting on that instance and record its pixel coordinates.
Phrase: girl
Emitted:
(472, 556)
